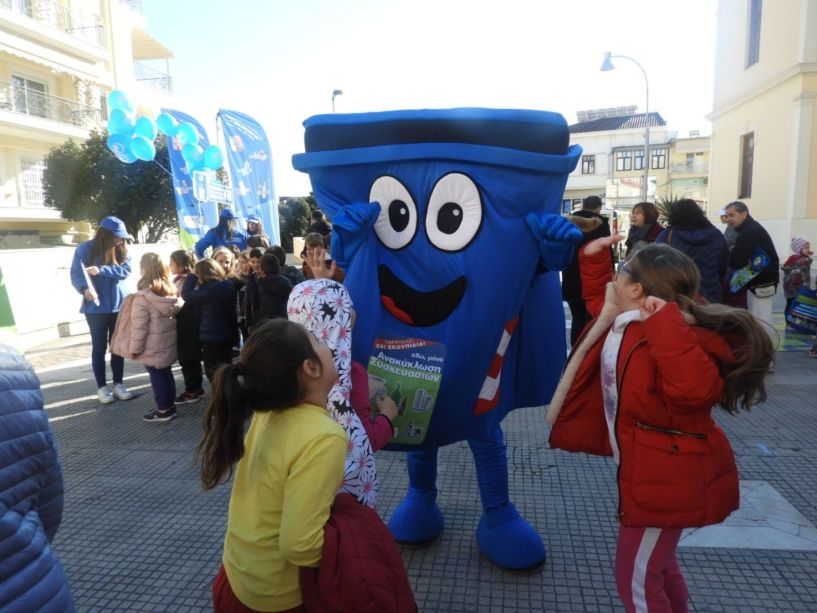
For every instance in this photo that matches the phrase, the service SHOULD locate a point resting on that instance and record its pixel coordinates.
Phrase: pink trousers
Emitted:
(647, 573)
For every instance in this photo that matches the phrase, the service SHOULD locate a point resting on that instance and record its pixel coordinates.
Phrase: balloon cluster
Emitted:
(130, 137)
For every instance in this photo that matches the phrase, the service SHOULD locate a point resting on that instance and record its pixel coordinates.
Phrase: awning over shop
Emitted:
(25, 50)
(145, 47)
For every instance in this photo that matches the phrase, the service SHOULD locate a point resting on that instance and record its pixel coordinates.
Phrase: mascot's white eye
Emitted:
(454, 212)
(397, 223)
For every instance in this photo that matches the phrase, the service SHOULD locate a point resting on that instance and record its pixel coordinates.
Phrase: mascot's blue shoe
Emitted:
(508, 541)
(417, 519)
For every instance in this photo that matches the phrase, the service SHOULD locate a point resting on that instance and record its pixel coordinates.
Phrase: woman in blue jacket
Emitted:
(691, 233)
(98, 272)
(31, 576)
(226, 233)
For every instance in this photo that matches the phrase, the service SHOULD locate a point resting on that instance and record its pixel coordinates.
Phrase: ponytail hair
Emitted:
(744, 379)
(264, 379)
(668, 274)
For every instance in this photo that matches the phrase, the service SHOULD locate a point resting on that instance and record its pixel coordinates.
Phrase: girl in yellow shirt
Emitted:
(289, 465)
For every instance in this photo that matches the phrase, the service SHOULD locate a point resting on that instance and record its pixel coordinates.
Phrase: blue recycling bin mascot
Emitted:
(447, 224)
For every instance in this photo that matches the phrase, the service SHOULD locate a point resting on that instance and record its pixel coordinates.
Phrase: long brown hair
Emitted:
(104, 247)
(264, 379)
(209, 270)
(155, 275)
(648, 210)
(184, 260)
(670, 275)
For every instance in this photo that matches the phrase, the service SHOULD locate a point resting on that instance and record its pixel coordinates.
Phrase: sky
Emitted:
(280, 60)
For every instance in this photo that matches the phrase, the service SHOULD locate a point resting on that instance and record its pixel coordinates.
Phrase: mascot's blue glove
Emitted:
(556, 238)
(350, 227)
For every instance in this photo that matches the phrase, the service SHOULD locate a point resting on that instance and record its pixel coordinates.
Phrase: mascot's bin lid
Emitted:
(525, 139)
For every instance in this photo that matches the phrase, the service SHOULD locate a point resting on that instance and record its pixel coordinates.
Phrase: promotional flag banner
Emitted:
(194, 217)
(248, 154)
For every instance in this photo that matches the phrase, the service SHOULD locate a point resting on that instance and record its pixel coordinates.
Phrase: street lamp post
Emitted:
(335, 93)
(608, 65)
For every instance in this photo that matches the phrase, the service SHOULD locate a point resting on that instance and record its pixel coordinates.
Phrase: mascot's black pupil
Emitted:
(449, 219)
(398, 215)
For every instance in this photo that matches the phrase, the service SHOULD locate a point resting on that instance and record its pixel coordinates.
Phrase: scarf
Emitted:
(324, 308)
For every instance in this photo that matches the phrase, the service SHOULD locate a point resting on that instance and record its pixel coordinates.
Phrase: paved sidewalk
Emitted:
(138, 533)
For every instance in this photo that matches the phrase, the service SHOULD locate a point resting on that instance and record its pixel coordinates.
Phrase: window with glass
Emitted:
(638, 160)
(31, 182)
(753, 37)
(747, 158)
(588, 164)
(29, 96)
(624, 160)
(658, 158)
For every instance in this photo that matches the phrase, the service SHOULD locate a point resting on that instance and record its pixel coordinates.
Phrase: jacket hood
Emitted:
(166, 305)
(585, 224)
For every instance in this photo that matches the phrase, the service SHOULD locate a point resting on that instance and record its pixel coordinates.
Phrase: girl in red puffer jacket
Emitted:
(640, 385)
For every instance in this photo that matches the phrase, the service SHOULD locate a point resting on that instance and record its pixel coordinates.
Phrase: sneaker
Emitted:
(121, 392)
(104, 395)
(161, 416)
(188, 397)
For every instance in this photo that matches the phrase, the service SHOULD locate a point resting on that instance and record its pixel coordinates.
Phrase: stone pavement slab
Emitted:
(139, 534)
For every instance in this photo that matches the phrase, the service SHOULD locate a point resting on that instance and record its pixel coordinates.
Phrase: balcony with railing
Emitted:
(696, 168)
(153, 77)
(85, 27)
(28, 101)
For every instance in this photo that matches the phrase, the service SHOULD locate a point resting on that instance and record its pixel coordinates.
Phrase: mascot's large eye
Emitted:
(397, 223)
(454, 212)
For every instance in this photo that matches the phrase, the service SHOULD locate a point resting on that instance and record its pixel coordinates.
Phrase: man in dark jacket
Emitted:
(593, 226)
(751, 236)
(31, 577)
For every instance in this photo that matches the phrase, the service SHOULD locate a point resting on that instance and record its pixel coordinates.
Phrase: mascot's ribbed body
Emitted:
(447, 224)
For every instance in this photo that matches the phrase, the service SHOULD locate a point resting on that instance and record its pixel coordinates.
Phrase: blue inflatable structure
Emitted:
(448, 225)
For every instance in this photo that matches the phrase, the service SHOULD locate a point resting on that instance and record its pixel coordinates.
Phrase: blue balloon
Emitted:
(187, 134)
(119, 144)
(146, 127)
(192, 154)
(143, 148)
(118, 99)
(167, 124)
(120, 123)
(213, 159)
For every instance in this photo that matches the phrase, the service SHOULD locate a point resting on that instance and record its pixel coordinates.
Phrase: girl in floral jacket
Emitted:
(640, 385)
(324, 308)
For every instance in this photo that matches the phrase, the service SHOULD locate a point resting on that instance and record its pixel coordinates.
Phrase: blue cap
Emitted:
(116, 226)
(227, 214)
(253, 219)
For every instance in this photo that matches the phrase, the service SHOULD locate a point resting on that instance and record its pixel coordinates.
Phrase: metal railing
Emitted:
(689, 169)
(155, 78)
(86, 27)
(20, 99)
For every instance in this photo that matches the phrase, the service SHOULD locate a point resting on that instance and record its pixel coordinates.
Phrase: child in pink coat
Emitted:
(153, 333)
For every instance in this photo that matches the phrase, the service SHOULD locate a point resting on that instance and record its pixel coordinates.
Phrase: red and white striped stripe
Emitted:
(489, 394)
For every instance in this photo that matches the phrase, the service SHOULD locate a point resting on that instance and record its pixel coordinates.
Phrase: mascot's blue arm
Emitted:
(350, 227)
(555, 237)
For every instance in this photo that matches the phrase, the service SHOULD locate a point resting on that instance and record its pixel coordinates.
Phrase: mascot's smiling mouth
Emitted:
(414, 307)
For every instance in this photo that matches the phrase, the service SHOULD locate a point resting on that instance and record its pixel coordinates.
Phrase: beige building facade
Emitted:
(764, 117)
(58, 62)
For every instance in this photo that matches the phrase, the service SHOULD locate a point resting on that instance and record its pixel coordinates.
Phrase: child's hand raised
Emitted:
(386, 406)
(651, 306)
(600, 244)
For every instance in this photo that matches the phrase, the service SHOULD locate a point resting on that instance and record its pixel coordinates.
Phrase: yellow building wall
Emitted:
(779, 36)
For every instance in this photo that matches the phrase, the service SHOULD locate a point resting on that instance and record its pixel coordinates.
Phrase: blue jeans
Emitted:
(163, 385)
(101, 326)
